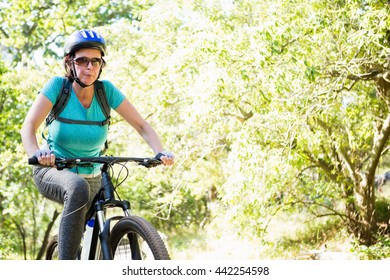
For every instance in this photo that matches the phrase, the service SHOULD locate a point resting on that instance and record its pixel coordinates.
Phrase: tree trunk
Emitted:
(364, 225)
(366, 222)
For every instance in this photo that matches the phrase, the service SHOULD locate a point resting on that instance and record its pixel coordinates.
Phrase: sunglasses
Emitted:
(84, 61)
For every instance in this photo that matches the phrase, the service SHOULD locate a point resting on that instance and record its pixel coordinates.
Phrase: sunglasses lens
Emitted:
(96, 61)
(84, 61)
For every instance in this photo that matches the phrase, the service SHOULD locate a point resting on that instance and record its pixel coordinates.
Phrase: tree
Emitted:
(322, 84)
(21, 216)
(30, 26)
(348, 78)
(286, 92)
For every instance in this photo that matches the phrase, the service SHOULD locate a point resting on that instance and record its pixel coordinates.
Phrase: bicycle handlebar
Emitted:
(62, 163)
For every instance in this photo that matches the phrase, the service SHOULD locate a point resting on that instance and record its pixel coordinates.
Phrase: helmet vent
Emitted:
(89, 34)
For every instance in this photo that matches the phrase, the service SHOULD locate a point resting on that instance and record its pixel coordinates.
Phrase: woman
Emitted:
(83, 62)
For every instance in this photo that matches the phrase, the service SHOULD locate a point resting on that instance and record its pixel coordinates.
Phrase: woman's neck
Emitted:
(85, 95)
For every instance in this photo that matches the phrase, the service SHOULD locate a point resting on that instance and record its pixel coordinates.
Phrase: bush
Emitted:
(382, 215)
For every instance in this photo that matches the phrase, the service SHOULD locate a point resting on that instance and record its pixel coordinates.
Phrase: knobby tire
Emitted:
(131, 235)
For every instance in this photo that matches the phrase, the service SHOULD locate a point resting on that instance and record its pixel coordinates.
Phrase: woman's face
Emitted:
(87, 63)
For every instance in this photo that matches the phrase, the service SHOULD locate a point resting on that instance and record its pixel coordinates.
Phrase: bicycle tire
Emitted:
(125, 240)
(52, 248)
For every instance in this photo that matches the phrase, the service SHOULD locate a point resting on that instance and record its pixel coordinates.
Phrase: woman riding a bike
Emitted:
(83, 61)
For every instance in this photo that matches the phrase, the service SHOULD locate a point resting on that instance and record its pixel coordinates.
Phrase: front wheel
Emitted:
(136, 239)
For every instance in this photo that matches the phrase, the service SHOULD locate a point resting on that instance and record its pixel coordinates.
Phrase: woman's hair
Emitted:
(68, 70)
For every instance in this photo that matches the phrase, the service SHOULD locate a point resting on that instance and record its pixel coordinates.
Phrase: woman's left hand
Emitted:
(166, 157)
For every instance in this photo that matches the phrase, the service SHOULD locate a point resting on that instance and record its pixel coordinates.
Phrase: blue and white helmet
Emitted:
(84, 39)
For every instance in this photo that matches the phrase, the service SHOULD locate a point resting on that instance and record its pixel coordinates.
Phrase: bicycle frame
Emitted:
(97, 226)
(100, 229)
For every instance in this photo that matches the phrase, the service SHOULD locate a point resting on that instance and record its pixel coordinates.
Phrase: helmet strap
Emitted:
(74, 76)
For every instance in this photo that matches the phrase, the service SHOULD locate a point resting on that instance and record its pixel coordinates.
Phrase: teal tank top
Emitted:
(79, 140)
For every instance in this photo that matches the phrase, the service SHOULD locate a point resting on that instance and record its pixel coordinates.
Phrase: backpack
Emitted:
(62, 101)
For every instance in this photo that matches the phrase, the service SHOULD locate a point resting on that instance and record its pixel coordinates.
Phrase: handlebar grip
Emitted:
(33, 160)
(158, 156)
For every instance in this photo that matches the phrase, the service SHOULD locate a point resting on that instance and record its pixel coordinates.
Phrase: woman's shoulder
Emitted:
(110, 88)
(52, 88)
(54, 83)
(115, 95)
(108, 84)
(56, 79)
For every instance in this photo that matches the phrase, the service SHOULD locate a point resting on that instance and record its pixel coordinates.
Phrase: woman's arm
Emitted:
(35, 116)
(131, 115)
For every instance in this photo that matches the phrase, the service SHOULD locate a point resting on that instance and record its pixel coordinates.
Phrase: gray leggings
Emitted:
(75, 193)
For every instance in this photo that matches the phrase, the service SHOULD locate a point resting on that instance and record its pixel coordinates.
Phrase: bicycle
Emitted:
(119, 237)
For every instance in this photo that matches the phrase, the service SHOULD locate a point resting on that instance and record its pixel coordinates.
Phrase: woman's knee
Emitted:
(78, 191)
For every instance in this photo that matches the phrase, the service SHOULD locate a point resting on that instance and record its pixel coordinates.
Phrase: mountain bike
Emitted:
(119, 237)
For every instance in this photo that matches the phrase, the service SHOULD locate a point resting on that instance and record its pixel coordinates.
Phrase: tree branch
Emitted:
(378, 148)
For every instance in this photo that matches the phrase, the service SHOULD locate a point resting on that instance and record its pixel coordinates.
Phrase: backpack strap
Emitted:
(61, 101)
(64, 97)
(102, 100)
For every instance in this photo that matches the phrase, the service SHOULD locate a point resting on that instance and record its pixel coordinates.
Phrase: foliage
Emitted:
(30, 26)
(379, 250)
(20, 202)
(269, 106)
(309, 237)
(382, 212)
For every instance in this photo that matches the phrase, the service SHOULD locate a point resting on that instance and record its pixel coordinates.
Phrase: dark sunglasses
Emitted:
(84, 61)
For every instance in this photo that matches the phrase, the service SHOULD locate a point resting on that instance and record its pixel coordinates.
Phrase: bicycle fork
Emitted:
(100, 206)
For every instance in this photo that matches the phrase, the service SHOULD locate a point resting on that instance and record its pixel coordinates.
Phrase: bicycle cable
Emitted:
(117, 183)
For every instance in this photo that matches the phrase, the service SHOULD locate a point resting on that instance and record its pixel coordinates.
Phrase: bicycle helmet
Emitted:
(82, 39)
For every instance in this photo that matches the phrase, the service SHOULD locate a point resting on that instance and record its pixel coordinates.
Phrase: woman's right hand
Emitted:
(45, 157)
